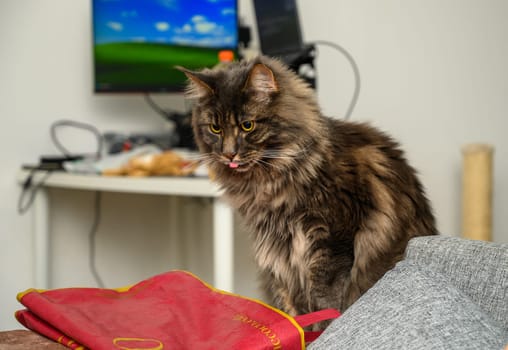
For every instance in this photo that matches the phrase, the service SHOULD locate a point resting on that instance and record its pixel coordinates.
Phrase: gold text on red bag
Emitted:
(265, 330)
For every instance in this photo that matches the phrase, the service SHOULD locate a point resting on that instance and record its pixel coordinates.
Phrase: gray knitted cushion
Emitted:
(479, 269)
(413, 307)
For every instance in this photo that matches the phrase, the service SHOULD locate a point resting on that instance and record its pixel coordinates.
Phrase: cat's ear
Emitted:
(262, 82)
(199, 84)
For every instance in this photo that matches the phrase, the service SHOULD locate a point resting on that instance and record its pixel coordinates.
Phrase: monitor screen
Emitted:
(137, 43)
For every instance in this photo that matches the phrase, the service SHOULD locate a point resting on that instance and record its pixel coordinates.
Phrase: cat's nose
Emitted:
(230, 155)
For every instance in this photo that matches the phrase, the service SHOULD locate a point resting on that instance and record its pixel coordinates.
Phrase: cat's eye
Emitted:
(247, 125)
(215, 129)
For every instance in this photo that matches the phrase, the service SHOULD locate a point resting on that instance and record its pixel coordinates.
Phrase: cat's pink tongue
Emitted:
(233, 165)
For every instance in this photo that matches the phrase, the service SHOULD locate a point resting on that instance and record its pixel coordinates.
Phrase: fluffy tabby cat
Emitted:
(331, 204)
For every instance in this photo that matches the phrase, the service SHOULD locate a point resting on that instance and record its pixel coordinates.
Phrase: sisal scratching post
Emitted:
(477, 192)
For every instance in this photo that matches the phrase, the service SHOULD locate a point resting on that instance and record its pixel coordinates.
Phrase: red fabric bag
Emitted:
(174, 310)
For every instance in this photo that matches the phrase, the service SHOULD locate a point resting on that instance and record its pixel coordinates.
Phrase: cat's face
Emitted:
(237, 139)
(243, 121)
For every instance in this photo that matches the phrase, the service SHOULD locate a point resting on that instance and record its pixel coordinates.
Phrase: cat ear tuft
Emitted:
(261, 80)
(197, 87)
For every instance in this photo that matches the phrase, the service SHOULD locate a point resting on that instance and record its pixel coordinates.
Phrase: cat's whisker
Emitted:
(271, 166)
(282, 156)
(204, 158)
(199, 157)
(288, 154)
(264, 164)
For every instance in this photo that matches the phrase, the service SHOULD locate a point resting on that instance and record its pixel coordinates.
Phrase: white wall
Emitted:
(433, 75)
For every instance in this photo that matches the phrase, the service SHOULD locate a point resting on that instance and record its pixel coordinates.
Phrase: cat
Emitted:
(331, 204)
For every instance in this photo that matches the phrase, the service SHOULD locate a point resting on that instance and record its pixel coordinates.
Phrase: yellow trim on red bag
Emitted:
(159, 345)
(280, 312)
(20, 295)
(123, 289)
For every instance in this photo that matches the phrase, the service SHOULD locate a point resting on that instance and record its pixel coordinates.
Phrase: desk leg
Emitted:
(223, 245)
(41, 239)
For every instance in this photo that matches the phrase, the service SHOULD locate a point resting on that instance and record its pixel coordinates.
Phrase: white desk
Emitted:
(171, 186)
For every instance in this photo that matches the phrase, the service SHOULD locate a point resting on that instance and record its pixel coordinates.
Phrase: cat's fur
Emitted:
(331, 204)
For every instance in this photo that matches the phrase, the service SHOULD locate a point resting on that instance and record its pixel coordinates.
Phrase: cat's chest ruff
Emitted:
(286, 259)
(257, 196)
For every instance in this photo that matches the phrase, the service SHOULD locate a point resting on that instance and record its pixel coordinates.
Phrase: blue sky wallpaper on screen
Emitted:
(202, 23)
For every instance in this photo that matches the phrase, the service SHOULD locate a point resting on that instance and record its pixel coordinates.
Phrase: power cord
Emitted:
(98, 196)
(164, 114)
(181, 121)
(92, 239)
(71, 123)
(356, 73)
(30, 189)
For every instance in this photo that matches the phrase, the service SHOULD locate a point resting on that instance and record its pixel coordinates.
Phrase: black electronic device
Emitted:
(52, 162)
(279, 28)
(137, 43)
(280, 36)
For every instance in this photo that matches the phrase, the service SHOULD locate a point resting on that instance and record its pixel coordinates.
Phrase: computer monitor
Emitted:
(137, 43)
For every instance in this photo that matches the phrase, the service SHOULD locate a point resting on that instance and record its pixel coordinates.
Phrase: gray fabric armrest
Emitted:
(448, 293)
(479, 269)
(412, 307)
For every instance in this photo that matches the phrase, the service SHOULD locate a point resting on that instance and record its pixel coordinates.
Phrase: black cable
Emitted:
(165, 115)
(97, 207)
(30, 189)
(181, 122)
(97, 202)
(356, 72)
(92, 236)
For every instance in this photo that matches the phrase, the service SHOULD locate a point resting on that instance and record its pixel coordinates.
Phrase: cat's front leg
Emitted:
(329, 282)
(277, 295)
(329, 274)
(376, 251)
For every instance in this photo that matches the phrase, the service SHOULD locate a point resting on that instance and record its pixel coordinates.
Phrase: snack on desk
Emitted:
(164, 164)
